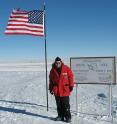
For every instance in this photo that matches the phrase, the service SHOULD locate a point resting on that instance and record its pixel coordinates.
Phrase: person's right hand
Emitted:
(51, 92)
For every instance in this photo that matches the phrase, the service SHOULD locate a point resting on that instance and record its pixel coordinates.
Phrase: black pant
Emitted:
(63, 107)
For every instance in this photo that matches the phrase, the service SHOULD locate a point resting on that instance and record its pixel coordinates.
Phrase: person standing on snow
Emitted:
(61, 83)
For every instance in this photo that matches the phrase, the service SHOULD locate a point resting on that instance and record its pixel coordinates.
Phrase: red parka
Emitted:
(60, 84)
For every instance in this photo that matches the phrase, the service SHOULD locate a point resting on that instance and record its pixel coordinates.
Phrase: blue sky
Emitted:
(75, 28)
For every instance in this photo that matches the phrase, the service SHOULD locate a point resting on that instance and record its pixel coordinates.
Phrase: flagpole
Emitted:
(46, 57)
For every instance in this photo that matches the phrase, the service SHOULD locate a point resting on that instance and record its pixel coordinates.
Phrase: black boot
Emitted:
(68, 120)
(58, 118)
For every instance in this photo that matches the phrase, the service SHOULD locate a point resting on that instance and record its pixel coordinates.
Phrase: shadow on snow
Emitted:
(19, 111)
(27, 103)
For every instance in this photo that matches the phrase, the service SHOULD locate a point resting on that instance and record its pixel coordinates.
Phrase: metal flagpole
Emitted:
(45, 56)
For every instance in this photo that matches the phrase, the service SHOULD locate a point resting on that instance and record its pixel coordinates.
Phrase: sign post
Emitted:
(110, 102)
(76, 98)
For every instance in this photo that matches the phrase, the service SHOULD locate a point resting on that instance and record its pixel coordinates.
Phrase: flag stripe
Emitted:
(19, 23)
(26, 23)
(21, 28)
(22, 31)
(13, 20)
(25, 29)
(19, 12)
(21, 17)
(11, 33)
(18, 19)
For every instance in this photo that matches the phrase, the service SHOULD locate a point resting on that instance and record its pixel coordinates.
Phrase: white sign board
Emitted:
(94, 70)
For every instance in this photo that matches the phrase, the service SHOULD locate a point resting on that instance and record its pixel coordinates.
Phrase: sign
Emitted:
(94, 70)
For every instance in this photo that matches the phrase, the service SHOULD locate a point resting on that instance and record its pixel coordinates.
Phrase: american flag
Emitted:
(26, 22)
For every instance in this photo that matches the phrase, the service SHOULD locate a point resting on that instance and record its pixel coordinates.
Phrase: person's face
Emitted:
(58, 64)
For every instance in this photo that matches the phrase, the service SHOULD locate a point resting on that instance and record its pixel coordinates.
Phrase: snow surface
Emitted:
(23, 98)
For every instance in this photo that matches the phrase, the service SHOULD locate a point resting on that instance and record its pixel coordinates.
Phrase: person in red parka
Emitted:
(61, 83)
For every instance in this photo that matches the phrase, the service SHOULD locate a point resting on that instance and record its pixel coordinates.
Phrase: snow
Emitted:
(23, 98)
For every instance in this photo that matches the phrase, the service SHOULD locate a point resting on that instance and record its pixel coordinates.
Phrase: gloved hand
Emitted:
(71, 88)
(51, 92)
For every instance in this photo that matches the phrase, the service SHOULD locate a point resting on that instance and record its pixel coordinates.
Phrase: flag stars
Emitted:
(36, 16)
